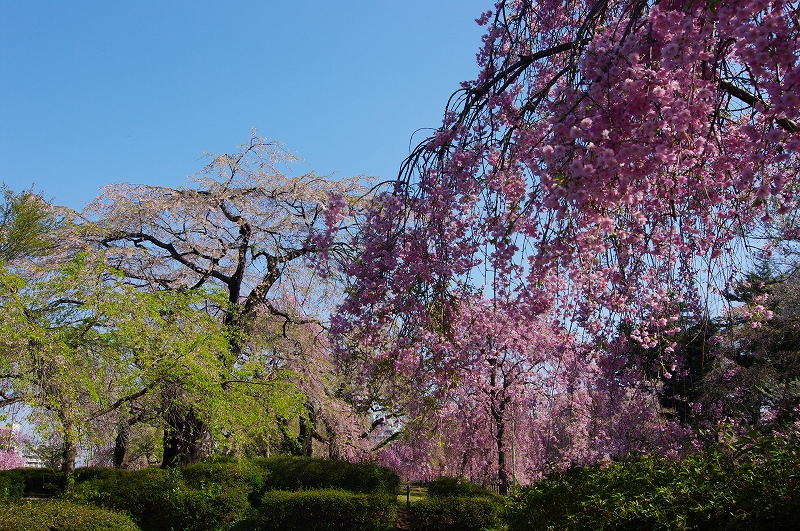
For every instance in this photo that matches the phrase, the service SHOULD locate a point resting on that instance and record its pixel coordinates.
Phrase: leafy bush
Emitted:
(10, 488)
(457, 513)
(216, 494)
(228, 473)
(32, 481)
(161, 500)
(327, 510)
(60, 515)
(98, 472)
(711, 490)
(294, 473)
(447, 486)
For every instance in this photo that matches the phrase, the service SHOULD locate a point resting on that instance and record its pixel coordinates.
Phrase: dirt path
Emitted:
(403, 520)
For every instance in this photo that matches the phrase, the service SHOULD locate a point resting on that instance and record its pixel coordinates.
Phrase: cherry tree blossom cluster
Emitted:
(10, 457)
(608, 166)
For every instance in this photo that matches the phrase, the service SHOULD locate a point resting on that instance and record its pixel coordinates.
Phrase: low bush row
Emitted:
(60, 515)
(455, 504)
(294, 473)
(457, 513)
(163, 500)
(756, 487)
(217, 494)
(28, 482)
(221, 493)
(327, 510)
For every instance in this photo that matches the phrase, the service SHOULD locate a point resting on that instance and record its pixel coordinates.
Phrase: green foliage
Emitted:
(9, 488)
(82, 475)
(756, 487)
(228, 474)
(457, 513)
(327, 510)
(60, 515)
(161, 499)
(293, 473)
(26, 225)
(220, 493)
(448, 486)
(29, 482)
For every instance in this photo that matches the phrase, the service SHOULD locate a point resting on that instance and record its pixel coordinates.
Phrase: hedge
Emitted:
(294, 473)
(458, 513)
(228, 474)
(10, 488)
(327, 510)
(32, 482)
(160, 500)
(712, 490)
(60, 515)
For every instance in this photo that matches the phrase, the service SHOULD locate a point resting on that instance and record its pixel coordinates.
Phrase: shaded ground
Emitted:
(403, 520)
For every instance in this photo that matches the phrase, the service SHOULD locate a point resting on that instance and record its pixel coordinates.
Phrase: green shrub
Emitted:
(10, 487)
(97, 472)
(41, 482)
(228, 473)
(294, 473)
(60, 515)
(327, 510)
(712, 490)
(161, 500)
(457, 513)
(447, 486)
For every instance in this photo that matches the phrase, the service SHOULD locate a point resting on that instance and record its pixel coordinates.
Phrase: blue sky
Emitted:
(93, 93)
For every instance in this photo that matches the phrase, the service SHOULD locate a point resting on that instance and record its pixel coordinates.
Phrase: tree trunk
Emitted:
(498, 407)
(502, 471)
(185, 434)
(308, 429)
(121, 445)
(69, 455)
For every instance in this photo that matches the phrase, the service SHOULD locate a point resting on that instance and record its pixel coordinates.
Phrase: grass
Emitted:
(417, 493)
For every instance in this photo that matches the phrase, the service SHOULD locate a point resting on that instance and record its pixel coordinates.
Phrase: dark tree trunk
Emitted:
(499, 437)
(185, 434)
(121, 445)
(498, 408)
(68, 456)
(308, 430)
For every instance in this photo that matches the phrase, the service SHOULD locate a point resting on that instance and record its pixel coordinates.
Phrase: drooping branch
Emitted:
(789, 125)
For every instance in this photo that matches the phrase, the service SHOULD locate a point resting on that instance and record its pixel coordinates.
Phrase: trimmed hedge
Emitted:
(228, 474)
(31, 482)
(712, 490)
(457, 513)
(294, 473)
(97, 472)
(52, 515)
(160, 500)
(214, 495)
(327, 510)
(9, 488)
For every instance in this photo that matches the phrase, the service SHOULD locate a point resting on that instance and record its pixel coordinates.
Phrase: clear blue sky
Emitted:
(93, 93)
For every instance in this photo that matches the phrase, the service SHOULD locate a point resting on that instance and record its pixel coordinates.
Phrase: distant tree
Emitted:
(756, 379)
(251, 231)
(501, 402)
(10, 456)
(82, 346)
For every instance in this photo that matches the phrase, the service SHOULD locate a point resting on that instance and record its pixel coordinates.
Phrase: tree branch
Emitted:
(787, 124)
